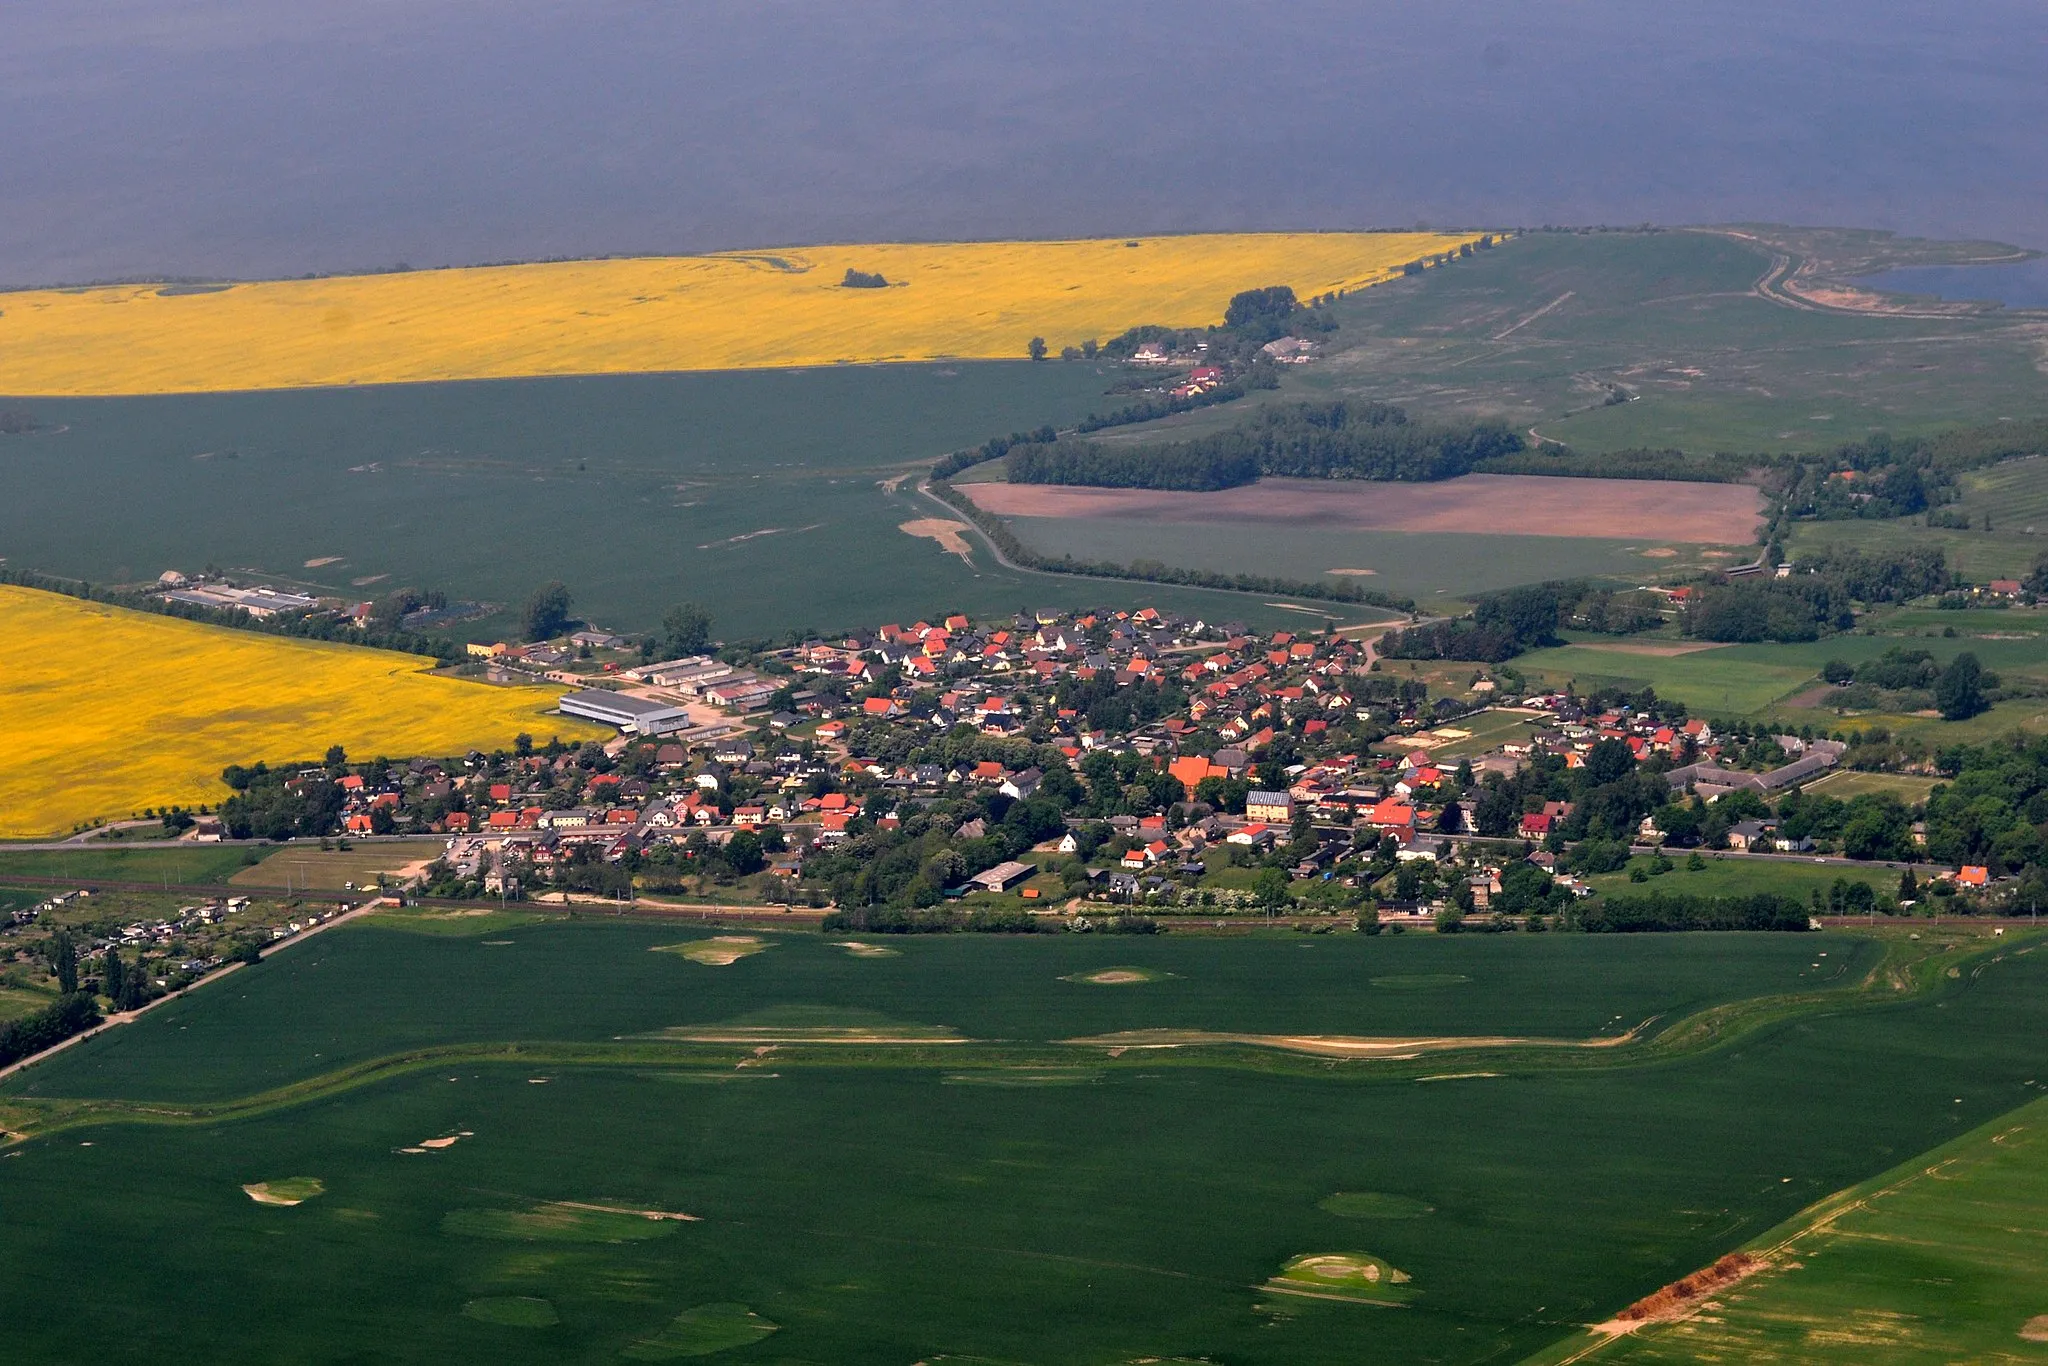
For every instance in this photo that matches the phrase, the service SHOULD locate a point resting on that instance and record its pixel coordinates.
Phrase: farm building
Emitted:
(636, 714)
(1002, 877)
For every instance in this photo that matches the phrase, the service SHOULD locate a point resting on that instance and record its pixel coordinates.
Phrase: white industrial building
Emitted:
(639, 715)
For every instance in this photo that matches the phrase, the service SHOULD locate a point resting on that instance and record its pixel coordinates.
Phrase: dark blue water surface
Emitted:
(246, 137)
(2024, 284)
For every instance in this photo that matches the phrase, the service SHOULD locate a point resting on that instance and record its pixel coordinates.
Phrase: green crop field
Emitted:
(760, 494)
(895, 1159)
(1997, 623)
(1427, 566)
(1976, 555)
(1732, 680)
(1939, 1260)
(197, 863)
(1761, 680)
(2013, 495)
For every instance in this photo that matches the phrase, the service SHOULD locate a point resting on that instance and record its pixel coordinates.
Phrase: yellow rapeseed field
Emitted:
(734, 310)
(105, 712)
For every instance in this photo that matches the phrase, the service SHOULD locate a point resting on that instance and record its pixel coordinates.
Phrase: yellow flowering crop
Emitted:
(104, 711)
(734, 310)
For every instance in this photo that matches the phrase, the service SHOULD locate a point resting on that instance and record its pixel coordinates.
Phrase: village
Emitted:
(1060, 764)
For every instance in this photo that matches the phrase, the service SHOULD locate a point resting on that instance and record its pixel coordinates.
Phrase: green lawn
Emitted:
(1845, 784)
(941, 1201)
(18, 1001)
(88, 863)
(1732, 876)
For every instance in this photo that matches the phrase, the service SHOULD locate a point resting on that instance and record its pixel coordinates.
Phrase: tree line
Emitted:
(1818, 598)
(1338, 440)
(1668, 911)
(71, 1014)
(1503, 625)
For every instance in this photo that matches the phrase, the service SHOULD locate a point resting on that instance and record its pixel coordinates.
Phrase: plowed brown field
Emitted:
(1509, 504)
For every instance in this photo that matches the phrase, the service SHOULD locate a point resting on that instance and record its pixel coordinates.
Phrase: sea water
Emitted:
(2019, 284)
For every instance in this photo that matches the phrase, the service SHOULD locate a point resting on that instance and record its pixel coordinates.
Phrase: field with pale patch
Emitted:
(105, 711)
(733, 310)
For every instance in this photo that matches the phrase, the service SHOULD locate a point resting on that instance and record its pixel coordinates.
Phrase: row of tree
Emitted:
(1338, 440)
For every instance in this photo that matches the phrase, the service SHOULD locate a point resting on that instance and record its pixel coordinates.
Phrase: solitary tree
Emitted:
(1959, 692)
(1037, 348)
(113, 983)
(547, 611)
(743, 852)
(685, 629)
(1261, 306)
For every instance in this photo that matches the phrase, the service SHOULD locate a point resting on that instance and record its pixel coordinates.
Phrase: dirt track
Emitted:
(1534, 505)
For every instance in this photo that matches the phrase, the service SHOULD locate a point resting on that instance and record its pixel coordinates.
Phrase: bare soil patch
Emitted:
(434, 1145)
(1685, 1295)
(1317, 1045)
(2035, 1329)
(719, 951)
(295, 1190)
(1656, 649)
(1520, 504)
(1337, 1045)
(768, 1039)
(655, 1214)
(951, 536)
(1815, 696)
